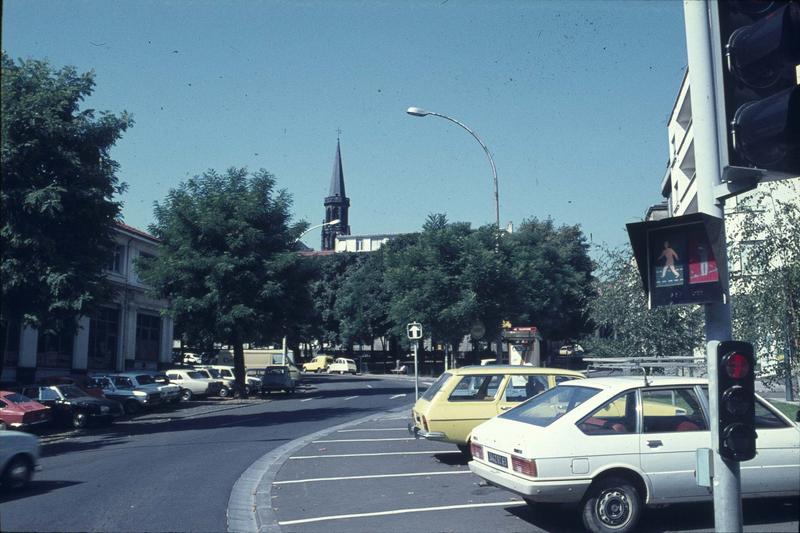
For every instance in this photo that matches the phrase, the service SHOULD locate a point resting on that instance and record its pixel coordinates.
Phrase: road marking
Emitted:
(401, 511)
(351, 397)
(308, 399)
(365, 440)
(369, 386)
(374, 476)
(397, 396)
(371, 429)
(372, 454)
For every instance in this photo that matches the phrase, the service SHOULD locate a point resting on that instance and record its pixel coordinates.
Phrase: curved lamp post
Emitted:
(312, 228)
(417, 112)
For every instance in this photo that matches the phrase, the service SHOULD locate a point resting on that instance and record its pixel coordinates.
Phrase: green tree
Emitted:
(627, 328)
(764, 253)
(362, 305)
(226, 264)
(58, 189)
(331, 273)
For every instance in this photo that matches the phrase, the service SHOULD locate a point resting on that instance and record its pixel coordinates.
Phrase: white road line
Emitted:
(364, 440)
(351, 397)
(308, 399)
(374, 476)
(369, 386)
(397, 396)
(371, 454)
(371, 429)
(401, 511)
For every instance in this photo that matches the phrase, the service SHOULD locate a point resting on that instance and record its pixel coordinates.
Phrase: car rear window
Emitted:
(437, 385)
(549, 406)
(476, 388)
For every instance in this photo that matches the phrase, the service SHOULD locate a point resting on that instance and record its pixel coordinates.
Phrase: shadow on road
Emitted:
(34, 489)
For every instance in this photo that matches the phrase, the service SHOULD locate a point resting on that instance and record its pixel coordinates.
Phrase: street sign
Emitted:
(677, 259)
(414, 330)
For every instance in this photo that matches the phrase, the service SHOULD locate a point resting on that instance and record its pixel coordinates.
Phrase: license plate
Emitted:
(498, 459)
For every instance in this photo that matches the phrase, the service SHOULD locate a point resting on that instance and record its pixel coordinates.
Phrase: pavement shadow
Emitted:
(452, 459)
(34, 488)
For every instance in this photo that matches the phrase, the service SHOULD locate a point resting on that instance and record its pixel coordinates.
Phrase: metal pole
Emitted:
(726, 483)
(416, 372)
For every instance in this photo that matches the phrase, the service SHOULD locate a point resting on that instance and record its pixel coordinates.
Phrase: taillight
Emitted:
(476, 450)
(523, 466)
(424, 423)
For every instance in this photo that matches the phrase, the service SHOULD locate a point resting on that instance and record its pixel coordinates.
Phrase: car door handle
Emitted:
(505, 407)
(654, 443)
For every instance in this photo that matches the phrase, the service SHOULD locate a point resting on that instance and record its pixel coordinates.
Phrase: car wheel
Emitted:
(612, 505)
(3, 425)
(132, 407)
(186, 395)
(464, 449)
(224, 392)
(80, 419)
(18, 472)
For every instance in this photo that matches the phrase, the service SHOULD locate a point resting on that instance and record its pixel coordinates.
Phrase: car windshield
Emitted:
(437, 385)
(71, 391)
(196, 375)
(547, 407)
(145, 379)
(276, 370)
(16, 398)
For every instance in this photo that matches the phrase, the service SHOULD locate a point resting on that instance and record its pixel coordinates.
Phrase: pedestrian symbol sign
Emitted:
(414, 330)
(677, 259)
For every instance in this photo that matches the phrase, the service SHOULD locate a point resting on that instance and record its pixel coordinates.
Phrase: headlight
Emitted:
(139, 393)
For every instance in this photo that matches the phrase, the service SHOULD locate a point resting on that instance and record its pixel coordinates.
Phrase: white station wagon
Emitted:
(342, 366)
(616, 444)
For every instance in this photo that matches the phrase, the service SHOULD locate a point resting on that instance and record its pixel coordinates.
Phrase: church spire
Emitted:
(337, 204)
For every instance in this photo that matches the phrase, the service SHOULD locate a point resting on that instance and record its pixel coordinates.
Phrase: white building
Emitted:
(125, 333)
(360, 243)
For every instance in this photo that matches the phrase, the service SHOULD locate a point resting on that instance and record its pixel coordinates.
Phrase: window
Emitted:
(143, 256)
(476, 388)
(616, 417)
(123, 383)
(48, 395)
(671, 410)
(562, 379)
(437, 386)
(103, 339)
(520, 388)
(55, 350)
(766, 419)
(148, 337)
(117, 259)
(226, 373)
(174, 377)
(550, 405)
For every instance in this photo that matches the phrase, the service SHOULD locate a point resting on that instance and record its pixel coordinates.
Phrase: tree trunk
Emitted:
(238, 362)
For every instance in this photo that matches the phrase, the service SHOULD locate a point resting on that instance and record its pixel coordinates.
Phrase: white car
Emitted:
(614, 445)
(342, 366)
(193, 383)
(19, 456)
(226, 374)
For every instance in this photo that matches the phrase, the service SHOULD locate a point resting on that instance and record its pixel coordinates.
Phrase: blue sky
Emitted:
(571, 98)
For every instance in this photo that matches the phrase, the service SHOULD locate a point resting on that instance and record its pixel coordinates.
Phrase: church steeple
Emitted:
(336, 205)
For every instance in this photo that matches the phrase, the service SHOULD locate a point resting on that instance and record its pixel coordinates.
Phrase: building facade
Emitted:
(128, 332)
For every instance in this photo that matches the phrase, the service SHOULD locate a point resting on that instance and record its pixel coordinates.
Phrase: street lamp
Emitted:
(312, 228)
(417, 112)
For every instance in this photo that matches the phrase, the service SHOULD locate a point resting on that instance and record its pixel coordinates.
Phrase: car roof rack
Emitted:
(669, 366)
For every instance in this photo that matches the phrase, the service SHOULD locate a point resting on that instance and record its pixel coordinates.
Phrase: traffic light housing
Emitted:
(758, 48)
(736, 394)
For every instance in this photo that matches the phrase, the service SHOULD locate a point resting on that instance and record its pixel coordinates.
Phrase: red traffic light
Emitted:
(736, 365)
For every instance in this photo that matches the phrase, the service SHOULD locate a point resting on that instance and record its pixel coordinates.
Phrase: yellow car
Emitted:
(463, 398)
(318, 364)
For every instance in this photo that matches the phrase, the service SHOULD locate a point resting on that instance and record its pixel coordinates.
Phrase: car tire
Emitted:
(464, 449)
(612, 505)
(186, 395)
(3, 425)
(80, 419)
(224, 392)
(18, 473)
(132, 407)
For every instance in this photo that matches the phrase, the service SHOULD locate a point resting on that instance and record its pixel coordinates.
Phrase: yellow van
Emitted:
(318, 364)
(463, 398)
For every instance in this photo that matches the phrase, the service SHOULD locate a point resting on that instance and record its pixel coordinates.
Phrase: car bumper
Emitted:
(555, 491)
(429, 435)
(29, 425)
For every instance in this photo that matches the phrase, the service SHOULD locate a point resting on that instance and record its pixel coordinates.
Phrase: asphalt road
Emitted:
(173, 469)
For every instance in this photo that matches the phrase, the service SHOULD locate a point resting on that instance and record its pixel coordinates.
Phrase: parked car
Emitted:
(616, 444)
(277, 378)
(129, 393)
(211, 374)
(342, 366)
(226, 373)
(72, 406)
(170, 392)
(19, 457)
(193, 383)
(83, 382)
(20, 412)
(464, 397)
(318, 364)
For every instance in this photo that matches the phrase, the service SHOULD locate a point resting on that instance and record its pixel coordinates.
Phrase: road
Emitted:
(173, 469)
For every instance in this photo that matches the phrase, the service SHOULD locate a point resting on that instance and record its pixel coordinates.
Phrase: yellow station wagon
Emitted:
(463, 398)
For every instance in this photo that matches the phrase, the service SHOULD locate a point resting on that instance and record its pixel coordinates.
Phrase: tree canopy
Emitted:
(58, 194)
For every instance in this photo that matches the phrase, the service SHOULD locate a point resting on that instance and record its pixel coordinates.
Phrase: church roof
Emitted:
(337, 178)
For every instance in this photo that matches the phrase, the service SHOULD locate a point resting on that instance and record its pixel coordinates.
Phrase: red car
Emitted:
(20, 412)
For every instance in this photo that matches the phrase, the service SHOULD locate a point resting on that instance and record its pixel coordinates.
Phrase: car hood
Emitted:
(27, 406)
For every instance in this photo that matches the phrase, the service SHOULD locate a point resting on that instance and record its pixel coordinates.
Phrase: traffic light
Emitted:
(736, 393)
(759, 47)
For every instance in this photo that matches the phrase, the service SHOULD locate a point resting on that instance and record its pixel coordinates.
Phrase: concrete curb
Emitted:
(250, 505)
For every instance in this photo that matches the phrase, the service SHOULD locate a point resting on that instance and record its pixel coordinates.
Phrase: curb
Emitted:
(250, 506)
